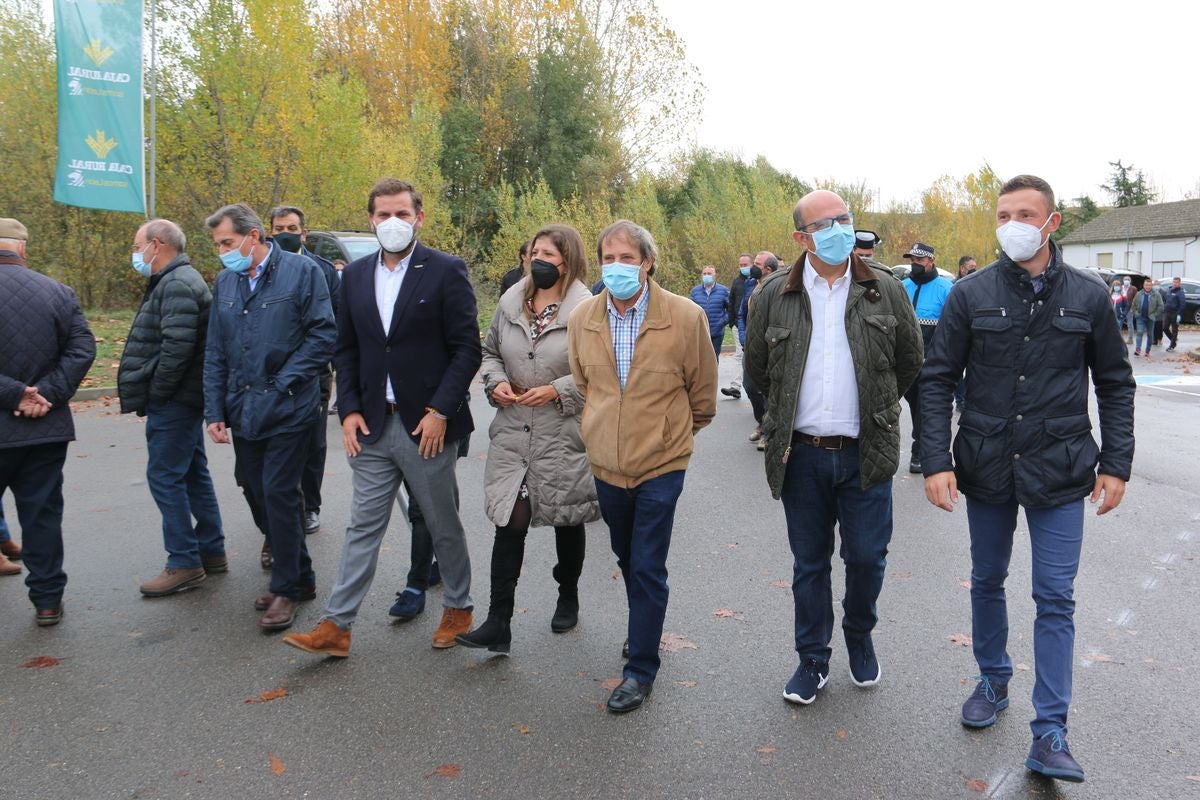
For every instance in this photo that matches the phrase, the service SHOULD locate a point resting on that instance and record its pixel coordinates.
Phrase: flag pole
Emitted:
(153, 104)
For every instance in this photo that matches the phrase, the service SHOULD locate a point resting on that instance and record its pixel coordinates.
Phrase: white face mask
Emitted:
(1020, 240)
(394, 234)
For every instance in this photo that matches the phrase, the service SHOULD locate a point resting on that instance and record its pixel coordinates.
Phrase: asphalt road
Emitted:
(149, 699)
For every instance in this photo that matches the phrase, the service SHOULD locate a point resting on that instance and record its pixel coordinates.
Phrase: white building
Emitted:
(1159, 240)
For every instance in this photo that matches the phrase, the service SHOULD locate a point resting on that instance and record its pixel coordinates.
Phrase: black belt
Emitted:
(391, 408)
(823, 442)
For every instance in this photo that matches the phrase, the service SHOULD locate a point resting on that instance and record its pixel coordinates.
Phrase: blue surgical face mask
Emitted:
(234, 261)
(745, 271)
(707, 280)
(140, 264)
(834, 243)
(622, 280)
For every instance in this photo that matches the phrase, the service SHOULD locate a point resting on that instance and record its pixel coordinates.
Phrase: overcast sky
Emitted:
(900, 93)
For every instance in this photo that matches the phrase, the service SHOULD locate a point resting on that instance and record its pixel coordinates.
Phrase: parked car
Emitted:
(1191, 311)
(344, 246)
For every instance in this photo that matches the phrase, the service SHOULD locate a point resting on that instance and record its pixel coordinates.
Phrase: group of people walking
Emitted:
(598, 398)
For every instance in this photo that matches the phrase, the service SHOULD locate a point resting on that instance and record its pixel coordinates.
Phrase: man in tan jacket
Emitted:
(643, 359)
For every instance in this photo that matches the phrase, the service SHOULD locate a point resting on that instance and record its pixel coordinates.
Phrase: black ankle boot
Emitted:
(566, 613)
(494, 634)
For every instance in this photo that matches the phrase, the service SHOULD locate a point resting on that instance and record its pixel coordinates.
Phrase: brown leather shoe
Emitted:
(215, 564)
(7, 567)
(49, 616)
(280, 614)
(327, 639)
(455, 621)
(170, 581)
(10, 550)
(263, 602)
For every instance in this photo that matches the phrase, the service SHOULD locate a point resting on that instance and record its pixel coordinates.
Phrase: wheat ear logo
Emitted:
(101, 144)
(97, 52)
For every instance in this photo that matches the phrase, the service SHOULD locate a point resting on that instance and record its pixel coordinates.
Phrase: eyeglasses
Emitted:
(137, 248)
(827, 223)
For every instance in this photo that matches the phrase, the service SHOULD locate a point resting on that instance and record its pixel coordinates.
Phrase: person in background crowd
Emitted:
(737, 291)
(288, 231)
(966, 265)
(865, 243)
(713, 297)
(1173, 307)
(10, 551)
(927, 289)
(1119, 304)
(1028, 330)
(536, 472)
(1145, 308)
(833, 433)
(270, 338)
(766, 263)
(642, 359)
(519, 271)
(407, 350)
(1130, 290)
(48, 349)
(161, 378)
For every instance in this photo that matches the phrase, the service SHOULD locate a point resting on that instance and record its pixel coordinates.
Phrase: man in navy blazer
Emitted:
(407, 350)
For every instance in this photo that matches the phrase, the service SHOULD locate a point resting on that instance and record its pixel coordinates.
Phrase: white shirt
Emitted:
(258, 267)
(387, 289)
(828, 404)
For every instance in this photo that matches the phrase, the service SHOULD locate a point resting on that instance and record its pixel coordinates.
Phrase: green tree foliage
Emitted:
(1085, 210)
(1128, 186)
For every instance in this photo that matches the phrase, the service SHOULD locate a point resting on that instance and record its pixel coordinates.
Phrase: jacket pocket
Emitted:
(881, 340)
(280, 320)
(1070, 331)
(991, 342)
(777, 337)
(981, 451)
(1070, 454)
(889, 418)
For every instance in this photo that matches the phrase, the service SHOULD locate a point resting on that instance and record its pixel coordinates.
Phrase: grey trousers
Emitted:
(378, 471)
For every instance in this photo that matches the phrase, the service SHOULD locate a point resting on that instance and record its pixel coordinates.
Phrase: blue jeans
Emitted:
(822, 487)
(4, 534)
(639, 525)
(1144, 327)
(717, 338)
(177, 472)
(1056, 537)
(35, 475)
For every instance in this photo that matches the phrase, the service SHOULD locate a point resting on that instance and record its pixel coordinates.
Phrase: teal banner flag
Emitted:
(100, 139)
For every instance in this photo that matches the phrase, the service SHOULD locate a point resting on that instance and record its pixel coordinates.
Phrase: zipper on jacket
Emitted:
(787, 453)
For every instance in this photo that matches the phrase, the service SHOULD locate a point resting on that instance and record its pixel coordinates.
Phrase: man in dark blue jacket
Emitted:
(47, 351)
(407, 350)
(271, 334)
(713, 297)
(1028, 331)
(1174, 304)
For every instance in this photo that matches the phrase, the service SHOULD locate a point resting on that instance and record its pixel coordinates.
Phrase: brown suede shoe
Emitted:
(263, 602)
(327, 639)
(280, 614)
(170, 581)
(7, 567)
(10, 550)
(455, 621)
(215, 564)
(49, 616)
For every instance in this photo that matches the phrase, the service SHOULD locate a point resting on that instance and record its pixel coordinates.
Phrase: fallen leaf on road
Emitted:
(960, 638)
(901, 574)
(688, 684)
(579, 675)
(732, 545)
(976, 785)
(782, 584)
(1023, 667)
(765, 750)
(727, 613)
(181, 773)
(522, 728)
(277, 765)
(1191, 777)
(841, 735)
(617, 575)
(267, 697)
(963, 583)
(447, 771)
(610, 684)
(674, 642)
(41, 662)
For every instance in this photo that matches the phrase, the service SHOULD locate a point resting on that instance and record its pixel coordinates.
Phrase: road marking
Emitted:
(1185, 536)
(1150, 584)
(1167, 559)
(1124, 617)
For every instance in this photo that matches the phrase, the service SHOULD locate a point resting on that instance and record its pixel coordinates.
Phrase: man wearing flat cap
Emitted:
(928, 290)
(48, 351)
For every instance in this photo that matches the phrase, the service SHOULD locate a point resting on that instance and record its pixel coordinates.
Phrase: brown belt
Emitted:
(391, 408)
(823, 442)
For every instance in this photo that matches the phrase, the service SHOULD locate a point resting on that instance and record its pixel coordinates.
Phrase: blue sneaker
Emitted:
(435, 575)
(810, 676)
(1051, 757)
(409, 604)
(985, 703)
(864, 666)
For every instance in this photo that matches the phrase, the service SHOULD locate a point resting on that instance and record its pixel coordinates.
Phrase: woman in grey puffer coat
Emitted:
(537, 471)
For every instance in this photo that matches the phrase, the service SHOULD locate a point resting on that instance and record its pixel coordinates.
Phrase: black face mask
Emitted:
(543, 273)
(755, 273)
(288, 242)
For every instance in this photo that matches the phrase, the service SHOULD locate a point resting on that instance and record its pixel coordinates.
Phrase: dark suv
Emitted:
(344, 246)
